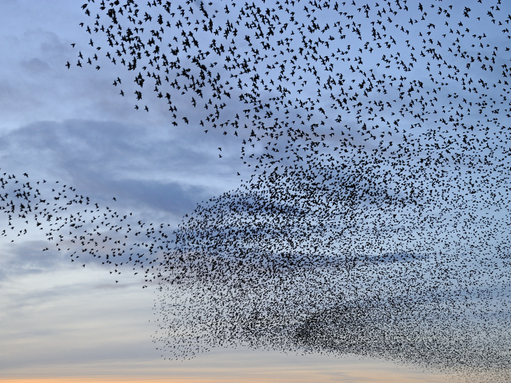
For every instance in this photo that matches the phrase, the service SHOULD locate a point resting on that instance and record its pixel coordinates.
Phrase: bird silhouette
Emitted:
(375, 219)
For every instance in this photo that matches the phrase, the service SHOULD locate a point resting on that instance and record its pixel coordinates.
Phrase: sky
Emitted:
(62, 322)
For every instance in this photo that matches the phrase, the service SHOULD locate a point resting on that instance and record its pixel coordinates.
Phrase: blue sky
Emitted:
(70, 125)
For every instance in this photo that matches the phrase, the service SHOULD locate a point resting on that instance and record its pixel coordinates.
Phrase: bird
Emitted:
(375, 213)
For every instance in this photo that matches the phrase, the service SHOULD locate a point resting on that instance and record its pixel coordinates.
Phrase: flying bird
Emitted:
(377, 207)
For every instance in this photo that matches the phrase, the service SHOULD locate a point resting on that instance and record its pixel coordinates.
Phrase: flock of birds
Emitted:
(376, 220)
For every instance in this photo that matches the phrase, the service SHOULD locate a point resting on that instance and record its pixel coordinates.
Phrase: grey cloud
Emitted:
(27, 257)
(173, 197)
(167, 172)
(36, 66)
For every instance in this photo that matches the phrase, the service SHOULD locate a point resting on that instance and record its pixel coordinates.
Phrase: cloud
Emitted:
(168, 171)
(26, 257)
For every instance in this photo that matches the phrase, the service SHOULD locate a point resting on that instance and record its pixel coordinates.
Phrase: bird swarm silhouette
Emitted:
(376, 220)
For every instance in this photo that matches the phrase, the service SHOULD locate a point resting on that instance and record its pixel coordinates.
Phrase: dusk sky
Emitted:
(64, 322)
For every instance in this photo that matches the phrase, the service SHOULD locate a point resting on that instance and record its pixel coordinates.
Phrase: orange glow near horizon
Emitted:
(379, 379)
(373, 377)
(241, 368)
(94, 380)
(85, 380)
(121, 380)
(118, 380)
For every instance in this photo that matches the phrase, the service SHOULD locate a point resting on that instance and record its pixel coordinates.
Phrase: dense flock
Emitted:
(376, 219)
